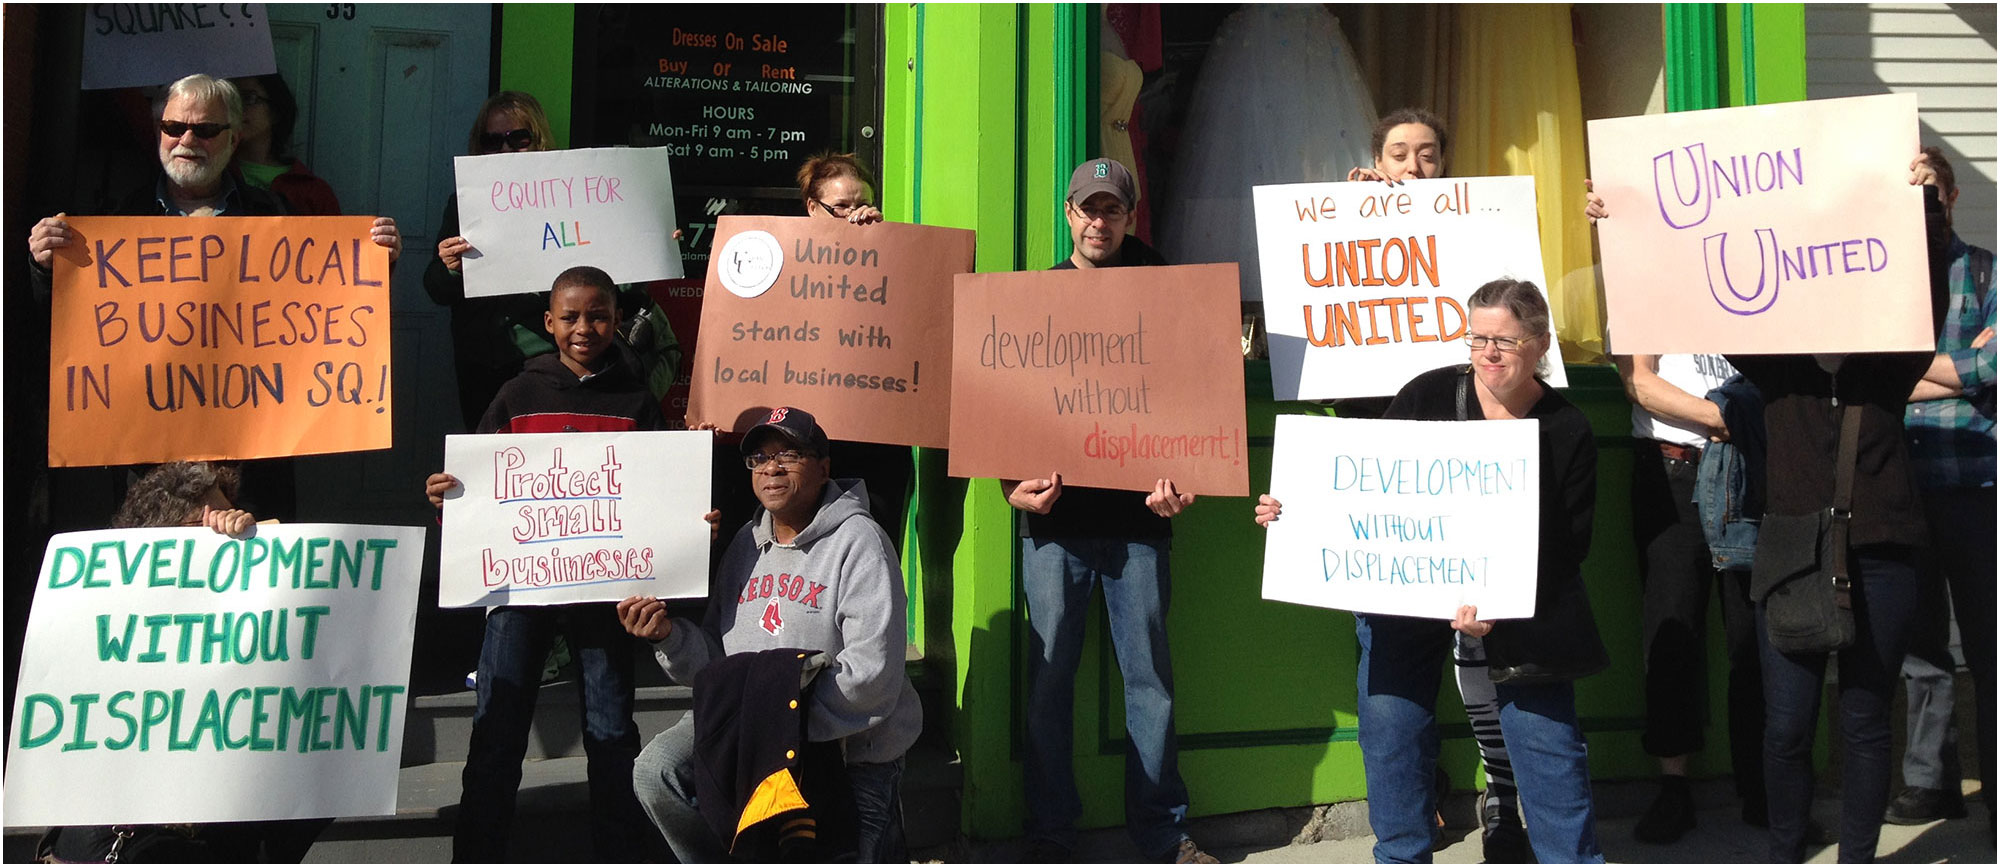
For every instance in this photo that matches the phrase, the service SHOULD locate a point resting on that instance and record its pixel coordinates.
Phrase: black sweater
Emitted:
(548, 397)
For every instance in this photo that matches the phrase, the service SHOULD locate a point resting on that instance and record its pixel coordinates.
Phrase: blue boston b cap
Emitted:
(796, 424)
(1103, 175)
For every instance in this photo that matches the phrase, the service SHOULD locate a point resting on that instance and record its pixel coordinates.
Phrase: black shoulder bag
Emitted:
(1801, 572)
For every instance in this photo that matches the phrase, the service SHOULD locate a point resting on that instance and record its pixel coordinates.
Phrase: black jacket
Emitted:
(548, 397)
(767, 793)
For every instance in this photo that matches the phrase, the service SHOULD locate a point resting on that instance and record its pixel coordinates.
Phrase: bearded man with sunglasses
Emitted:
(197, 145)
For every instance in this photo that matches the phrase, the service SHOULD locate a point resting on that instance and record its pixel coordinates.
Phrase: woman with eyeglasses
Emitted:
(1533, 660)
(837, 185)
(493, 335)
(264, 148)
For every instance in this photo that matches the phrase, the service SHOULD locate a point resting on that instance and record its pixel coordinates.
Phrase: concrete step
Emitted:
(440, 726)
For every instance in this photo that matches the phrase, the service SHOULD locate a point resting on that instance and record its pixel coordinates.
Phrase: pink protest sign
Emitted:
(1764, 229)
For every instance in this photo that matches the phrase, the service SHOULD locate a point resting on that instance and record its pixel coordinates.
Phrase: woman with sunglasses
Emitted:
(837, 185)
(1534, 660)
(491, 336)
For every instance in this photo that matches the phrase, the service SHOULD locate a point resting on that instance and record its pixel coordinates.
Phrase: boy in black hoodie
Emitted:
(586, 386)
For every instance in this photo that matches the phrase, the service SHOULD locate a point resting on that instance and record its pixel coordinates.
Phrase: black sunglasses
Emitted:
(203, 131)
(520, 139)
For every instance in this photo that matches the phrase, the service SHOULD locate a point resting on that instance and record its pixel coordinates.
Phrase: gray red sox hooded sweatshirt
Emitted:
(835, 588)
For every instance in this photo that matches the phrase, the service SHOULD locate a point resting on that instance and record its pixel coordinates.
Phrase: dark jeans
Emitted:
(1886, 596)
(510, 675)
(1675, 571)
(1960, 560)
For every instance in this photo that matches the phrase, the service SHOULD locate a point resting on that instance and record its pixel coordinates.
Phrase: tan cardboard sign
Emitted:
(1113, 377)
(851, 323)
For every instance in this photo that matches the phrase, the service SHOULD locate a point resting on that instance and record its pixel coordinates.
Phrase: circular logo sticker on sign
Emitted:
(749, 263)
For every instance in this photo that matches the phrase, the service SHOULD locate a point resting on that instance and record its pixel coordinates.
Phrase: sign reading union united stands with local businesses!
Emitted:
(1365, 283)
(552, 518)
(1783, 228)
(179, 675)
(1411, 518)
(218, 338)
(1112, 377)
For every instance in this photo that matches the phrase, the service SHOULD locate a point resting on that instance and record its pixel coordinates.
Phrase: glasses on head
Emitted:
(203, 131)
(515, 139)
(788, 460)
(1506, 344)
(1109, 214)
(839, 210)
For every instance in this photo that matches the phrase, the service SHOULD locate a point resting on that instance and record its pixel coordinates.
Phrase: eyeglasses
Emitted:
(839, 210)
(1506, 344)
(786, 460)
(203, 131)
(254, 99)
(517, 139)
(1110, 214)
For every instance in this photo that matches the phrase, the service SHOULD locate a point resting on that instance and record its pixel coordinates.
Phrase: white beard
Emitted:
(194, 176)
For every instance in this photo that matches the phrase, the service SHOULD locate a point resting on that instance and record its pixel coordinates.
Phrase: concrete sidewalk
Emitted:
(1338, 834)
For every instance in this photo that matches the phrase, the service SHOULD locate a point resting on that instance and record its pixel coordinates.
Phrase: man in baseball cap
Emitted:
(1074, 539)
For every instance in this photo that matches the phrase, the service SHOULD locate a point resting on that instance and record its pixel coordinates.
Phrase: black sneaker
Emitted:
(1501, 838)
(1670, 817)
(1917, 805)
(1047, 852)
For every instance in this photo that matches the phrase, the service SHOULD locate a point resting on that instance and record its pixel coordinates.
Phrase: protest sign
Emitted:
(535, 214)
(179, 675)
(1410, 518)
(221, 338)
(850, 322)
(1782, 228)
(1365, 283)
(1113, 377)
(549, 519)
(149, 44)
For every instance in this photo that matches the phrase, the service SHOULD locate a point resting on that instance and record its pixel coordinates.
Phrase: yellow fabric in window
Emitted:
(1519, 112)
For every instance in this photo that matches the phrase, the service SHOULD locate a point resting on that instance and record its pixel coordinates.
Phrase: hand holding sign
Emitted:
(527, 216)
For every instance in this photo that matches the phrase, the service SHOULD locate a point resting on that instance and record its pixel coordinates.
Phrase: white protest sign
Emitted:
(179, 675)
(534, 214)
(1782, 228)
(1411, 518)
(1365, 283)
(149, 44)
(554, 518)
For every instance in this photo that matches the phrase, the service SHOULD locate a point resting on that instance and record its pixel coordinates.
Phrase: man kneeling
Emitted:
(812, 571)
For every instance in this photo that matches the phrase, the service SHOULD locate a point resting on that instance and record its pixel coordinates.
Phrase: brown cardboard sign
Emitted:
(851, 323)
(1113, 377)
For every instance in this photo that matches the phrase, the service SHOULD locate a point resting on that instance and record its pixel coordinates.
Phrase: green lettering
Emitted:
(214, 642)
(292, 705)
(97, 562)
(128, 567)
(321, 715)
(218, 579)
(27, 725)
(257, 719)
(107, 646)
(343, 560)
(275, 648)
(228, 714)
(131, 725)
(309, 634)
(174, 743)
(66, 555)
(287, 558)
(350, 719)
(155, 623)
(187, 623)
(210, 720)
(83, 701)
(382, 694)
(377, 546)
(315, 559)
(153, 711)
(255, 551)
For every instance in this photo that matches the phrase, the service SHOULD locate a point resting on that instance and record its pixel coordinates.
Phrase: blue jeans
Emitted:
(510, 676)
(1886, 595)
(1960, 561)
(664, 778)
(1401, 661)
(1058, 576)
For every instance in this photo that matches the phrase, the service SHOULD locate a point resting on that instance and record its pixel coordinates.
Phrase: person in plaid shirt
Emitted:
(1950, 424)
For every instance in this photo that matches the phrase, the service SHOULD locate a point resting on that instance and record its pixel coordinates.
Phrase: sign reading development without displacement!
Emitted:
(1113, 377)
(1410, 518)
(218, 338)
(535, 214)
(179, 675)
(549, 519)
(1365, 283)
(850, 322)
(1783, 228)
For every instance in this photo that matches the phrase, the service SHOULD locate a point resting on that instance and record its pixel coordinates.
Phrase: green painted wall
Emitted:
(537, 50)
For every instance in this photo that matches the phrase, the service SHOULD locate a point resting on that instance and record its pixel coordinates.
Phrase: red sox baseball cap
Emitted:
(796, 425)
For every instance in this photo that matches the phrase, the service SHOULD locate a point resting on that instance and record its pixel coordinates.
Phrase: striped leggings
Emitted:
(1482, 709)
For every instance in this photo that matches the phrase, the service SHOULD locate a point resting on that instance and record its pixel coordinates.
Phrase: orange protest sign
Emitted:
(1113, 377)
(850, 322)
(223, 338)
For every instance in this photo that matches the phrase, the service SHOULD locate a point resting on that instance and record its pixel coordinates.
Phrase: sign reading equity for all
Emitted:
(218, 338)
(851, 322)
(548, 519)
(178, 675)
(1365, 283)
(1783, 228)
(1411, 518)
(149, 44)
(535, 214)
(1113, 377)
